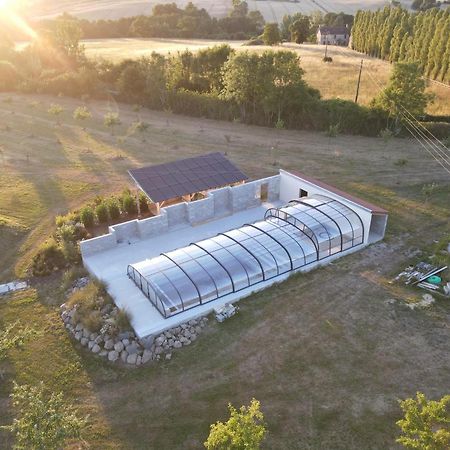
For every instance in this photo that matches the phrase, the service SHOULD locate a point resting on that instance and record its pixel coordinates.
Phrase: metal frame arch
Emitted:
(217, 261)
(325, 214)
(280, 228)
(249, 252)
(190, 279)
(315, 245)
(201, 265)
(274, 239)
(345, 217)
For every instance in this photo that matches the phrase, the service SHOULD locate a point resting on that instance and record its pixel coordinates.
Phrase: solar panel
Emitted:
(186, 176)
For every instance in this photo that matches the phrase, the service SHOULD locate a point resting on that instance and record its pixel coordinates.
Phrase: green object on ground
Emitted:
(434, 279)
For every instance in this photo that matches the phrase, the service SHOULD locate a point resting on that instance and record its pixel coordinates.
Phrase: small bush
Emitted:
(401, 162)
(92, 321)
(87, 216)
(279, 125)
(386, 135)
(71, 252)
(49, 257)
(82, 113)
(129, 204)
(113, 209)
(66, 233)
(143, 202)
(327, 59)
(101, 211)
(333, 130)
(71, 275)
(123, 320)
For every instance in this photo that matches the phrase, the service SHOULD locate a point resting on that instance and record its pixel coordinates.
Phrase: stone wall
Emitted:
(217, 204)
(177, 215)
(153, 226)
(201, 210)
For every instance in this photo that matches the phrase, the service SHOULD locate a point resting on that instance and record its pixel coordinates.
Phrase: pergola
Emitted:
(185, 178)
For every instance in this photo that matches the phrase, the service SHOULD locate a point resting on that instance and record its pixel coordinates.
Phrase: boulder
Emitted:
(99, 339)
(187, 334)
(78, 335)
(187, 342)
(158, 350)
(79, 327)
(118, 346)
(96, 348)
(193, 337)
(177, 344)
(170, 342)
(147, 342)
(109, 344)
(104, 353)
(169, 356)
(192, 323)
(198, 329)
(125, 342)
(139, 360)
(84, 341)
(146, 356)
(113, 355)
(86, 333)
(160, 340)
(183, 326)
(131, 359)
(91, 344)
(124, 356)
(124, 335)
(93, 336)
(133, 348)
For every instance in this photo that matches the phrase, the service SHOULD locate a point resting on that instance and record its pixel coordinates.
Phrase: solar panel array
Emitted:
(187, 176)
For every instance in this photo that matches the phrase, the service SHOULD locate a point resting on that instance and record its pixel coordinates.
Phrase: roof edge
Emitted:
(359, 201)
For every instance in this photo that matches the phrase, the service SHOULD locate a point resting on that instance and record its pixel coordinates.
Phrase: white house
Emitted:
(333, 35)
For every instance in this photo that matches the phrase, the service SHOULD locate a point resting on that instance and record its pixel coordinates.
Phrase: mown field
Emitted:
(273, 11)
(327, 353)
(338, 79)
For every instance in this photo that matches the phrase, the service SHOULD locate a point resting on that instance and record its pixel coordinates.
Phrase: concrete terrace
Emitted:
(110, 266)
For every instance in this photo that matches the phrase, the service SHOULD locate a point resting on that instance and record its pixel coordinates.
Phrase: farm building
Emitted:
(224, 238)
(333, 35)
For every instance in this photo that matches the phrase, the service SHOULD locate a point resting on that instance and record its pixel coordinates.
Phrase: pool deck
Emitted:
(111, 265)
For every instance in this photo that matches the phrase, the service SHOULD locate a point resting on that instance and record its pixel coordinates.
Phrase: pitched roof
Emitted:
(333, 30)
(186, 176)
(370, 206)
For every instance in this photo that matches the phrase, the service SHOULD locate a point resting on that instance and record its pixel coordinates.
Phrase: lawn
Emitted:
(334, 80)
(325, 353)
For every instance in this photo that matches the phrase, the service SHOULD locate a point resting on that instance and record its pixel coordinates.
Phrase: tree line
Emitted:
(394, 34)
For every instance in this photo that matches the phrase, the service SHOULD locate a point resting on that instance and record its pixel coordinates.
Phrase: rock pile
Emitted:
(126, 346)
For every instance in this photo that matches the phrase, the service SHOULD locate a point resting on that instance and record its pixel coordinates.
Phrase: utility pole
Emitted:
(359, 81)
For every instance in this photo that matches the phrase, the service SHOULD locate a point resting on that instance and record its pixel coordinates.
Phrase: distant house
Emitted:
(333, 35)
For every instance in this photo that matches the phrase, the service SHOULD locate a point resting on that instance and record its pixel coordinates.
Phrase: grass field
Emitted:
(325, 353)
(338, 79)
(273, 11)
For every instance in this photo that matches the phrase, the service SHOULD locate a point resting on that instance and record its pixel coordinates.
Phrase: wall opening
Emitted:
(302, 193)
(377, 227)
(264, 192)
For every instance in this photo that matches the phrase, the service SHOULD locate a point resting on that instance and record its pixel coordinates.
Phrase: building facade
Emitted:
(333, 35)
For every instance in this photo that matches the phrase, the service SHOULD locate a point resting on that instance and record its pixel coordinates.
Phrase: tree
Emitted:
(66, 37)
(271, 34)
(9, 76)
(45, 421)
(111, 120)
(245, 429)
(300, 30)
(426, 423)
(55, 110)
(405, 91)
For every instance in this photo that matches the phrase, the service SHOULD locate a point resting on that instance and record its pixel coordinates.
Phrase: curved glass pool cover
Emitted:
(304, 231)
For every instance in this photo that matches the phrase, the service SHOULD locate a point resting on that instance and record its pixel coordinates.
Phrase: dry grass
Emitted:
(334, 80)
(325, 354)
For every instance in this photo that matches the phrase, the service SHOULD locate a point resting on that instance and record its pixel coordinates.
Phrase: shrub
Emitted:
(92, 321)
(113, 209)
(71, 252)
(101, 211)
(327, 59)
(87, 216)
(143, 202)
(66, 232)
(123, 320)
(333, 130)
(441, 130)
(82, 113)
(49, 257)
(129, 204)
(71, 275)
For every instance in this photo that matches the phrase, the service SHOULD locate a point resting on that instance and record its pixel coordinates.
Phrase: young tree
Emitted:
(55, 110)
(45, 421)
(111, 120)
(245, 429)
(271, 34)
(82, 113)
(405, 91)
(300, 30)
(426, 423)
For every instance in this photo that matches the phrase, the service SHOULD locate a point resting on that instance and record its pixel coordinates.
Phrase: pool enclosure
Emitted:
(305, 231)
